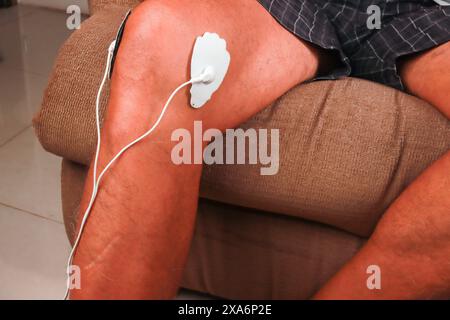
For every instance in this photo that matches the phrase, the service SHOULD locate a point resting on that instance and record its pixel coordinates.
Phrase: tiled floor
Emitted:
(33, 244)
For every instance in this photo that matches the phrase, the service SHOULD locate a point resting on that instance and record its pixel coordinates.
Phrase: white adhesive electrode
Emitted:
(210, 56)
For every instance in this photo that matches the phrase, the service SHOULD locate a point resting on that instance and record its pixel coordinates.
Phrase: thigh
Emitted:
(427, 76)
(154, 58)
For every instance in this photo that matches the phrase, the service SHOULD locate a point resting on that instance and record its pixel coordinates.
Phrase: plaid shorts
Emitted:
(368, 49)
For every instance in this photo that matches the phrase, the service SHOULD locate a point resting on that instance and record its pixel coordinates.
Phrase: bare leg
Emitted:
(137, 238)
(427, 76)
(411, 244)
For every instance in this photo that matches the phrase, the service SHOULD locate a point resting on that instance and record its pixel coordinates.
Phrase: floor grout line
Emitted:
(35, 10)
(18, 17)
(15, 135)
(31, 213)
(24, 71)
(20, 275)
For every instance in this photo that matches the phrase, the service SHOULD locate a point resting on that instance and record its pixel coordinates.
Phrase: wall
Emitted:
(58, 4)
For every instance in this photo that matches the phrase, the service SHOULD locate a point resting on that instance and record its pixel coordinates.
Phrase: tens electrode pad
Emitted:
(210, 53)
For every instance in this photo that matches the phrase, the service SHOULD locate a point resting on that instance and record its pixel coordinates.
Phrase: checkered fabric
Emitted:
(367, 50)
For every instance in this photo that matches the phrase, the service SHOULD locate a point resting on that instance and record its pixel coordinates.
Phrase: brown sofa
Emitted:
(348, 148)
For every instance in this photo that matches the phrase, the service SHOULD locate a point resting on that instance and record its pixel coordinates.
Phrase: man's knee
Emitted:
(152, 61)
(154, 44)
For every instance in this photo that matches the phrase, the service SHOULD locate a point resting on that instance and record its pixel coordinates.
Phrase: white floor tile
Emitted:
(14, 12)
(30, 177)
(31, 42)
(21, 97)
(33, 254)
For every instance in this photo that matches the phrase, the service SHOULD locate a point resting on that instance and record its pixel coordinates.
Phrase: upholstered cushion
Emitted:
(240, 253)
(347, 148)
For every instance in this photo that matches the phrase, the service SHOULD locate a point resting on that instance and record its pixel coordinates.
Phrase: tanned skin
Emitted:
(138, 236)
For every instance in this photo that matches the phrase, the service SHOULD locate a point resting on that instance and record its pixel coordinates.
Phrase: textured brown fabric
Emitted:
(240, 253)
(347, 150)
(348, 147)
(96, 5)
(73, 85)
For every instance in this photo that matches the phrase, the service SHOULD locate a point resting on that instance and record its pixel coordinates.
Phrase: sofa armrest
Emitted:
(347, 148)
(67, 112)
(96, 5)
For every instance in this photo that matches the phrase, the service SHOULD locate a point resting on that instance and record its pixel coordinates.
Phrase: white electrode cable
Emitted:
(97, 122)
(205, 77)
